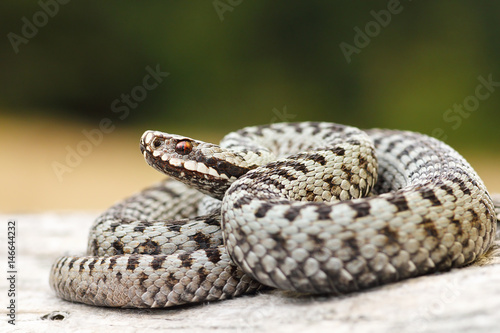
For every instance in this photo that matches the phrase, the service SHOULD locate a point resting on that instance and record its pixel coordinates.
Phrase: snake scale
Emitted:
(311, 207)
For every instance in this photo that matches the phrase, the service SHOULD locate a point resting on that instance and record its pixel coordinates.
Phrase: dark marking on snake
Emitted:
(214, 218)
(185, 259)
(346, 170)
(310, 195)
(141, 278)
(133, 262)
(263, 209)
(94, 244)
(240, 202)
(157, 262)
(139, 228)
(390, 233)
(118, 246)
(258, 131)
(230, 169)
(213, 254)
(339, 151)
(92, 264)
(352, 244)
(82, 263)
(71, 263)
(363, 163)
(209, 162)
(175, 227)
(429, 227)
(475, 217)
(353, 142)
(463, 188)
(316, 129)
(114, 225)
(458, 226)
(448, 190)
(202, 240)
(391, 145)
(406, 151)
(318, 158)
(202, 273)
(112, 263)
(400, 202)
(285, 174)
(428, 194)
(292, 213)
(465, 242)
(297, 128)
(148, 247)
(61, 263)
(362, 208)
(323, 212)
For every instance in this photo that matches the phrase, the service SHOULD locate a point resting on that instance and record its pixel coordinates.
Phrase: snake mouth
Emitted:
(192, 174)
(177, 167)
(179, 156)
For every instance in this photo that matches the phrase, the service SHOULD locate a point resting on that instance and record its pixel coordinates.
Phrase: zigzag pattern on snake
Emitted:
(310, 207)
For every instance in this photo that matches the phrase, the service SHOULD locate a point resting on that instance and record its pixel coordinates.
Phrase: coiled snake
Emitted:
(311, 207)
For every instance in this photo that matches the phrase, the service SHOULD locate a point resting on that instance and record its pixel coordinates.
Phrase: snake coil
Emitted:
(312, 207)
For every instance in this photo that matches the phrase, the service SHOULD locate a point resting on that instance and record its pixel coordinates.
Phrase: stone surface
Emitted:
(463, 300)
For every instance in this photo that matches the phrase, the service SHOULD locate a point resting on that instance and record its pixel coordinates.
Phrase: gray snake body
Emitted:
(310, 207)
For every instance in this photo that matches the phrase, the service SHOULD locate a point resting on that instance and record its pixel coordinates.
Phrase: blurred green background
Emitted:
(66, 65)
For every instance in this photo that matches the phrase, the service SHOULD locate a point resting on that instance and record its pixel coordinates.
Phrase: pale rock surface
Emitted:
(463, 300)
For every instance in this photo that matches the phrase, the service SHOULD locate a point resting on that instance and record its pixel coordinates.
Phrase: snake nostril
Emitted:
(184, 147)
(156, 143)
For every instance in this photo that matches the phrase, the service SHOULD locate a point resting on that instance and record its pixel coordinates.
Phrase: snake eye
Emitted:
(156, 143)
(183, 147)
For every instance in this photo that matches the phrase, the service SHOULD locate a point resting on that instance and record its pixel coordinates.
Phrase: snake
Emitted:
(307, 207)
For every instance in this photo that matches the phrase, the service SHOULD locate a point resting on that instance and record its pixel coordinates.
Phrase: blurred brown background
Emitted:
(81, 81)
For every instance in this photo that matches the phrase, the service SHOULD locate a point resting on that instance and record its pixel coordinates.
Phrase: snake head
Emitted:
(196, 163)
